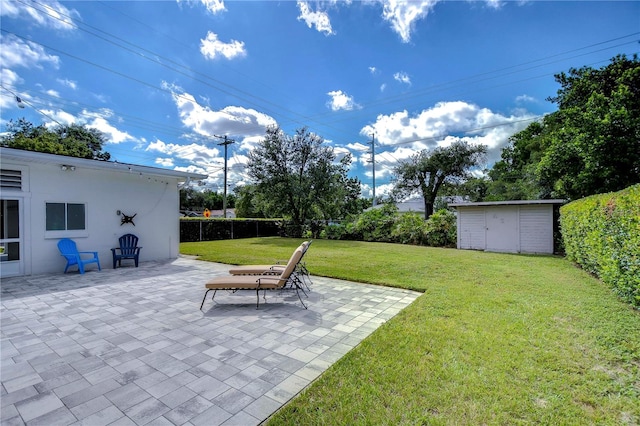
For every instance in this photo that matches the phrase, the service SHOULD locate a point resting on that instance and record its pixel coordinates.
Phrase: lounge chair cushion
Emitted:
(275, 269)
(244, 282)
(257, 270)
(253, 282)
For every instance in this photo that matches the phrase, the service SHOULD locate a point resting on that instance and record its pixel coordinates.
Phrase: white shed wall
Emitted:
(471, 228)
(536, 229)
(508, 228)
(154, 200)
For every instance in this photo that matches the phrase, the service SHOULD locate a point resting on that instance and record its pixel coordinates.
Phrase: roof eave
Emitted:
(46, 158)
(508, 203)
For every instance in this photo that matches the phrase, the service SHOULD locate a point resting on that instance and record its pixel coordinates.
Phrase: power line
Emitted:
(222, 111)
(188, 69)
(19, 100)
(312, 118)
(389, 100)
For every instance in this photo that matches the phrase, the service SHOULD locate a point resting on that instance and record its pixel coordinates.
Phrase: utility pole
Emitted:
(226, 143)
(373, 161)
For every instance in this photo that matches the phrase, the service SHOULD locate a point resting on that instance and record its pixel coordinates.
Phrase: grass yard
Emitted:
(494, 339)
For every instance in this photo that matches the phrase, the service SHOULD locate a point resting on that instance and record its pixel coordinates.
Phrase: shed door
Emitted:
(502, 229)
(471, 228)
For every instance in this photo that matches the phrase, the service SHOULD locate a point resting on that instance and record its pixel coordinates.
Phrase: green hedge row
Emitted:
(601, 233)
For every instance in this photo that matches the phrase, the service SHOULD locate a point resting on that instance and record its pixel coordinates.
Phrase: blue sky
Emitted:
(162, 78)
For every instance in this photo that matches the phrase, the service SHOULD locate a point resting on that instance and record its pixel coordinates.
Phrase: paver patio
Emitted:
(129, 346)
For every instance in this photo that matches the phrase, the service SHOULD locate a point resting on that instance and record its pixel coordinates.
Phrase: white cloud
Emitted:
(9, 77)
(373, 70)
(250, 142)
(16, 52)
(211, 47)
(239, 122)
(112, 134)
(51, 14)
(200, 158)
(194, 153)
(164, 162)
(402, 77)
(53, 93)
(525, 99)
(383, 86)
(92, 119)
(318, 19)
(212, 6)
(402, 14)
(444, 123)
(7, 99)
(358, 146)
(61, 117)
(382, 190)
(340, 100)
(341, 152)
(68, 83)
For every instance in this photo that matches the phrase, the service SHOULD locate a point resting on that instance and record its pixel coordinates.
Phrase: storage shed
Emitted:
(523, 226)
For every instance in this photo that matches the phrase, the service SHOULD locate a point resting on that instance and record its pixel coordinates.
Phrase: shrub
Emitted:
(375, 224)
(409, 228)
(601, 233)
(385, 224)
(334, 231)
(441, 229)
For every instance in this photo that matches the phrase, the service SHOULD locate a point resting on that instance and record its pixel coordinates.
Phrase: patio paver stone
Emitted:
(129, 346)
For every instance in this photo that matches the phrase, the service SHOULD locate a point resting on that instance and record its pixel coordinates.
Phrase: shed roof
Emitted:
(507, 203)
(46, 158)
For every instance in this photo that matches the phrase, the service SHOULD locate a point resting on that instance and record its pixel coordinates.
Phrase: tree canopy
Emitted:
(71, 140)
(193, 199)
(427, 171)
(297, 177)
(590, 145)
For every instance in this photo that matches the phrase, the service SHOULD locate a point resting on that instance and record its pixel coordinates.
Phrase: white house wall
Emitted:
(154, 200)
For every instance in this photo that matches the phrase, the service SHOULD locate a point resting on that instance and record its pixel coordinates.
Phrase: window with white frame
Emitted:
(65, 217)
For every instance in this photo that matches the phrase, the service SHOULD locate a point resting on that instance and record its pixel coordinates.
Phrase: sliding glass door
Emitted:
(10, 241)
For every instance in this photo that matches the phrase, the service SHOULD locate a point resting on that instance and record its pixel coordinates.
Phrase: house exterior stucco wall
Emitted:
(154, 199)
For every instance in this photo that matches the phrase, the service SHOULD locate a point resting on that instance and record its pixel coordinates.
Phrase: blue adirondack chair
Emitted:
(70, 252)
(128, 250)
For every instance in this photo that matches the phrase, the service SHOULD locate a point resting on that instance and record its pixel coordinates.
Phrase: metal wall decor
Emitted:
(127, 219)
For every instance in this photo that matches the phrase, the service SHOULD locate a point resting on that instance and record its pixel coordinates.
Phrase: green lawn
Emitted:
(494, 339)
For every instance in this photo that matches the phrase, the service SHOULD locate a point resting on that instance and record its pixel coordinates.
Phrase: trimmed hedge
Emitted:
(601, 233)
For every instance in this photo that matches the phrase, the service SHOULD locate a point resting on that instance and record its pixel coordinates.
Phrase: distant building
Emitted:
(416, 205)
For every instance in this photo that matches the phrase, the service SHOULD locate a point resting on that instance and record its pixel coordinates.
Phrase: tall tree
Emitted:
(597, 147)
(590, 145)
(248, 202)
(514, 176)
(70, 140)
(426, 172)
(297, 176)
